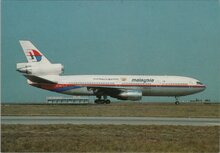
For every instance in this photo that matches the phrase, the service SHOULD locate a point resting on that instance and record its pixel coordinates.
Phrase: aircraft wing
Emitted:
(117, 92)
(106, 90)
(38, 79)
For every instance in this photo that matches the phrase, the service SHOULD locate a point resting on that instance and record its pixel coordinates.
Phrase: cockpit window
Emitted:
(199, 83)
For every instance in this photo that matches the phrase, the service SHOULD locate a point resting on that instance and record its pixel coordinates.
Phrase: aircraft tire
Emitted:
(107, 101)
(177, 102)
(97, 101)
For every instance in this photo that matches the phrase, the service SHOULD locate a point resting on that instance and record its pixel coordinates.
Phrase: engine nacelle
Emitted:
(130, 95)
(40, 69)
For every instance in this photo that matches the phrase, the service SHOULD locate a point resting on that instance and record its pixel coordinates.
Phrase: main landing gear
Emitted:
(102, 101)
(177, 101)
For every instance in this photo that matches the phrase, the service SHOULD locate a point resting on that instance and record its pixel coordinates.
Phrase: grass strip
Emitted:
(116, 109)
(109, 138)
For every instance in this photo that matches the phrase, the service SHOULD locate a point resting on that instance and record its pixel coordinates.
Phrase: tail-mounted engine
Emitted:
(40, 69)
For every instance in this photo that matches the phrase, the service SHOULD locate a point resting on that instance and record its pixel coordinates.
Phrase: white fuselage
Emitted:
(148, 85)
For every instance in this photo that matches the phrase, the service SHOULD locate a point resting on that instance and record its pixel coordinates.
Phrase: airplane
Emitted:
(41, 73)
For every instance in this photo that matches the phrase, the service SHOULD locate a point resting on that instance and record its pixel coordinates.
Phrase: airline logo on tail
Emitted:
(35, 55)
(32, 53)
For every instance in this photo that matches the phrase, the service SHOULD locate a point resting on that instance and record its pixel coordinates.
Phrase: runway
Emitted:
(109, 120)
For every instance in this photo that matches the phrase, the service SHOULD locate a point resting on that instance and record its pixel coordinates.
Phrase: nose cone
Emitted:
(202, 88)
(199, 86)
(198, 89)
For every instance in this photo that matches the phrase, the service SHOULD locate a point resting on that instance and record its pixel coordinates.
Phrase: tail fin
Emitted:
(32, 53)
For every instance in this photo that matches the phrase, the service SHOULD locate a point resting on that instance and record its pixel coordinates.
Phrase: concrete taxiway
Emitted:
(110, 120)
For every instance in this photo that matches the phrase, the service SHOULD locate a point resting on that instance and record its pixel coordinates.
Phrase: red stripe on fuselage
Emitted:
(140, 85)
(56, 86)
(51, 86)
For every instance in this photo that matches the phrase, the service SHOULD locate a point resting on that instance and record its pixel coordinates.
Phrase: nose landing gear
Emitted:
(177, 100)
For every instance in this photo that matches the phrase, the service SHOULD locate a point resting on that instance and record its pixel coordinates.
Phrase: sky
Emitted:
(169, 37)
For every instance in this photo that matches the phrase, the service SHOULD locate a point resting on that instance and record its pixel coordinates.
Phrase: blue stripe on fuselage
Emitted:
(66, 88)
